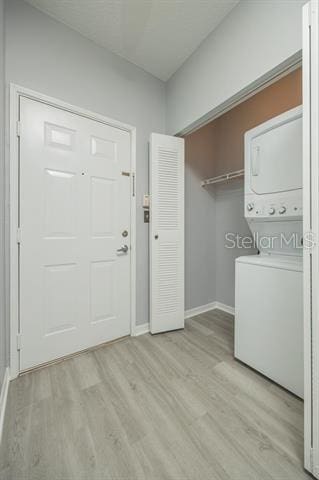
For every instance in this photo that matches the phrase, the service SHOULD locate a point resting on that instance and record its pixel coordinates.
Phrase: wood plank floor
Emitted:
(170, 406)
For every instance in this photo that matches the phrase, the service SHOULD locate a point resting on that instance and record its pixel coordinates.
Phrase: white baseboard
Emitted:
(225, 308)
(3, 399)
(141, 329)
(192, 312)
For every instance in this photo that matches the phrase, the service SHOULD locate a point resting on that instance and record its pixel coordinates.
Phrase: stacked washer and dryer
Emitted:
(268, 304)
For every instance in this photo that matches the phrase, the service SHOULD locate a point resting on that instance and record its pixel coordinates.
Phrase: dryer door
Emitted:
(276, 158)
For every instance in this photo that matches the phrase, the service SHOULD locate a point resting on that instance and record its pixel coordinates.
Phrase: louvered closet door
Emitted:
(166, 233)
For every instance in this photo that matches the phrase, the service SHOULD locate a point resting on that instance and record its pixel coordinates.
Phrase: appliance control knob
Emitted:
(271, 211)
(250, 207)
(282, 210)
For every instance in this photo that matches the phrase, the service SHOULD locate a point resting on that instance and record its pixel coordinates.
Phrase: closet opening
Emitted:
(244, 252)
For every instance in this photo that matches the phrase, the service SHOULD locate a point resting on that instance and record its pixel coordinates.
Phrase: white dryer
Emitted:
(268, 303)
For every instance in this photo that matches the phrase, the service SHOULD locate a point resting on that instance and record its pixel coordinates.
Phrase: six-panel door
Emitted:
(74, 206)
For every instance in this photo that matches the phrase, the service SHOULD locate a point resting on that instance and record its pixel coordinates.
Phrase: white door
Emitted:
(166, 233)
(74, 212)
(310, 66)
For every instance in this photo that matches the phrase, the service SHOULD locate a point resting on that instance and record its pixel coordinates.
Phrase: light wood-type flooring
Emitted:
(169, 406)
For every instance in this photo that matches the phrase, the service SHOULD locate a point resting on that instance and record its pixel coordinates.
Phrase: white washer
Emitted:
(268, 325)
(268, 304)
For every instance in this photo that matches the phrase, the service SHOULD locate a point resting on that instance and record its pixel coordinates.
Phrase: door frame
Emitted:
(17, 91)
(308, 278)
(311, 226)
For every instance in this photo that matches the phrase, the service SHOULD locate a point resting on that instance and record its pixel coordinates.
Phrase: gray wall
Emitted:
(48, 57)
(211, 213)
(3, 353)
(253, 39)
(200, 242)
(229, 218)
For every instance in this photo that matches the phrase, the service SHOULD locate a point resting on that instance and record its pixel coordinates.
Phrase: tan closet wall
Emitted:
(219, 146)
(213, 211)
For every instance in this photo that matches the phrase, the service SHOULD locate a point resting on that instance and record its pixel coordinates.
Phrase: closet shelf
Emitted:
(223, 178)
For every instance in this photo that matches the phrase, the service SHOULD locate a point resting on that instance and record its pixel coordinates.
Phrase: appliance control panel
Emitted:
(283, 205)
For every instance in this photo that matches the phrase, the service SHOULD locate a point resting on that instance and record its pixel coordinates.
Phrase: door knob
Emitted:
(123, 249)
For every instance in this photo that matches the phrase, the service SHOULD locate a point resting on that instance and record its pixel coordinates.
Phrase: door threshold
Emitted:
(71, 355)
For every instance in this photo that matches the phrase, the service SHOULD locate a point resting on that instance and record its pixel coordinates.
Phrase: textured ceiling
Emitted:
(156, 35)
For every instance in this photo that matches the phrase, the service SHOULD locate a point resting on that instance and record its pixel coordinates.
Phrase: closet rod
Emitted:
(223, 178)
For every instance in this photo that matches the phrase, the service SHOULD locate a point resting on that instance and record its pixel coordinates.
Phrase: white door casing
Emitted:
(75, 289)
(311, 226)
(166, 233)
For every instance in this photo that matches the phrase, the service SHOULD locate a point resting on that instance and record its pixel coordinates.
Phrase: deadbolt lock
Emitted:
(124, 233)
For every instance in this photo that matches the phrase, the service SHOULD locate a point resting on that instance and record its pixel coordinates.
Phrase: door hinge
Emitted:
(133, 184)
(19, 341)
(18, 236)
(18, 128)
